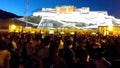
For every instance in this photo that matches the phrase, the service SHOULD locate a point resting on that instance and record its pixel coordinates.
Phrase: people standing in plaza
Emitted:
(67, 53)
(4, 54)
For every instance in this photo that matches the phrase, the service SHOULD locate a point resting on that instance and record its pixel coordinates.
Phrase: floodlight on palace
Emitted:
(110, 28)
(72, 33)
(62, 33)
(13, 27)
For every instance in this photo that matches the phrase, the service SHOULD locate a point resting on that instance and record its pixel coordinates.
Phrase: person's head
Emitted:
(117, 41)
(46, 41)
(96, 45)
(97, 54)
(61, 46)
(12, 45)
(58, 38)
(68, 43)
(3, 45)
(37, 42)
(53, 49)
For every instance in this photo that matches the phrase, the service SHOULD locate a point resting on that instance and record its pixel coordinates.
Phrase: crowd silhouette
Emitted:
(27, 50)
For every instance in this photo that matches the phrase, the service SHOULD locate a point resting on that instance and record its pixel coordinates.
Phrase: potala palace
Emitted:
(71, 16)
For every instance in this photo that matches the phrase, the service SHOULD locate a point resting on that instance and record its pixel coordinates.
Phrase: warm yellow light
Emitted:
(110, 28)
(17, 31)
(32, 32)
(42, 32)
(13, 27)
(93, 33)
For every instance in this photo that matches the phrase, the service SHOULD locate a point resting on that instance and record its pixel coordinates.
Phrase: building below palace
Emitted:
(109, 30)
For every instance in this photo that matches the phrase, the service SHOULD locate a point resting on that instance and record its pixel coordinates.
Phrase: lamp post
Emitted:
(110, 29)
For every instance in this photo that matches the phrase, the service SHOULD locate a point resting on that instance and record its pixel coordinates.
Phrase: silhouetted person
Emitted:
(98, 60)
(54, 61)
(116, 53)
(4, 54)
(14, 61)
(67, 53)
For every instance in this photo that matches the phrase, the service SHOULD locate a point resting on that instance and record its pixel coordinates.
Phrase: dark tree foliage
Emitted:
(80, 24)
(34, 19)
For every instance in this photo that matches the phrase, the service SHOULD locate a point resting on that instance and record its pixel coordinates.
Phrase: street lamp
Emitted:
(110, 28)
(13, 27)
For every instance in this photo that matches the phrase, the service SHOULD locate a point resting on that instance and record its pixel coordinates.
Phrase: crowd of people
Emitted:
(26, 50)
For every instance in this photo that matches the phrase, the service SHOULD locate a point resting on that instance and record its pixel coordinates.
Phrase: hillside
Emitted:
(7, 15)
(6, 18)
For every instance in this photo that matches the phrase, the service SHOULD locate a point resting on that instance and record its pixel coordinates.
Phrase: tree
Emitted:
(80, 24)
(34, 19)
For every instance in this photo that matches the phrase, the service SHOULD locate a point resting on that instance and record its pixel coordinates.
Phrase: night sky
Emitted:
(116, 8)
(19, 6)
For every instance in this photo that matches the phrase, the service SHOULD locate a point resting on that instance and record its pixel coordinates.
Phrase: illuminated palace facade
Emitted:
(70, 15)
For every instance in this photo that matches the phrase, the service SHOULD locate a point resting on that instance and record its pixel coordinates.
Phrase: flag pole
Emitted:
(27, 3)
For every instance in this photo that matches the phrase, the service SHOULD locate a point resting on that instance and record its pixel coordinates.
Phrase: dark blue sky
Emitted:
(116, 8)
(19, 6)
